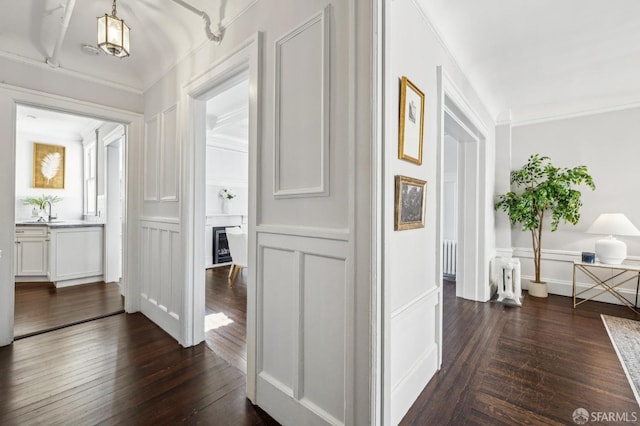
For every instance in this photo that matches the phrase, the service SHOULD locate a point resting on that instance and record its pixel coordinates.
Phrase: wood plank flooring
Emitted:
(530, 365)
(119, 369)
(40, 306)
(226, 322)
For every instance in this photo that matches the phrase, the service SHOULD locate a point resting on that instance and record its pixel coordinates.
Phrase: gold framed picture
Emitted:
(48, 166)
(410, 202)
(411, 122)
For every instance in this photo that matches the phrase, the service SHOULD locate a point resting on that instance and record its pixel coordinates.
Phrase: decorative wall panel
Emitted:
(302, 109)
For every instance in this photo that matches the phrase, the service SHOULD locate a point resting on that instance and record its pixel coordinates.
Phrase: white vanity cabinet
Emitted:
(76, 255)
(65, 253)
(32, 251)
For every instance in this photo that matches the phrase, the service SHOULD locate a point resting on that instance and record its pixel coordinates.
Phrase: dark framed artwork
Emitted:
(411, 122)
(48, 166)
(410, 202)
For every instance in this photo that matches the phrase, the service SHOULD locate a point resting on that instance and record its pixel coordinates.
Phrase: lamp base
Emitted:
(611, 251)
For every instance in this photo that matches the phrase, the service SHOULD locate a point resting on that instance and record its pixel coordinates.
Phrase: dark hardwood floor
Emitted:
(531, 365)
(123, 369)
(120, 369)
(502, 365)
(226, 321)
(41, 307)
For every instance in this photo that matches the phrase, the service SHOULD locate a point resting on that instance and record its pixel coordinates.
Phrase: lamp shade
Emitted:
(113, 34)
(609, 250)
(613, 224)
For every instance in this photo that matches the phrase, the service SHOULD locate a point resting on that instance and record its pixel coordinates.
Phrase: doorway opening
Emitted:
(226, 210)
(463, 192)
(460, 194)
(243, 64)
(69, 198)
(450, 206)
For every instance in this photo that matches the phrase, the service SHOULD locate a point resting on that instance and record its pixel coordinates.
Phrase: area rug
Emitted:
(625, 337)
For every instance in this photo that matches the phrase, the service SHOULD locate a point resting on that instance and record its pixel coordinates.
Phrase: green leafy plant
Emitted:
(544, 189)
(40, 201)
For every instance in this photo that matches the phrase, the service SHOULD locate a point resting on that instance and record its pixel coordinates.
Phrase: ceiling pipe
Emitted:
(68, 10)
(207, 21)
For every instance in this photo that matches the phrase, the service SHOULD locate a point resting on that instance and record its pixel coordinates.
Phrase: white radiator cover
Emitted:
(506, 275)
(449, 257)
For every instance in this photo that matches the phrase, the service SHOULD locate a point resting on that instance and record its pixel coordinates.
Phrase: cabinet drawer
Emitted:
(32, 231)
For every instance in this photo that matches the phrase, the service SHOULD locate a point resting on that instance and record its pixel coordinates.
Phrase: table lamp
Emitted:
(609, 250)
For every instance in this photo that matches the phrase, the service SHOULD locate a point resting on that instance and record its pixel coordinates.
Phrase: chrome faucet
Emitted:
(45, 209)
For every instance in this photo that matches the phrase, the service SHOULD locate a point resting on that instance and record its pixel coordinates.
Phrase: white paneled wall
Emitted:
(305, 296)
(162, 156)
(170, 155)
(419, 357)
(161, 271)
(301, 169)
(305, 311)
(151, 157)
(162, 263)
(308, 140)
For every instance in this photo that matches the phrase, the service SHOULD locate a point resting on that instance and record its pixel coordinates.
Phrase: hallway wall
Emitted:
(411, 281)
(313, 301)
(606, 143)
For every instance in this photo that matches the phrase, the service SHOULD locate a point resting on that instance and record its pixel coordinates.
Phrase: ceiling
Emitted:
(52, 123)
(227, 118)
(544, 57)
(228, 115)
(162, 33)
(533, 58)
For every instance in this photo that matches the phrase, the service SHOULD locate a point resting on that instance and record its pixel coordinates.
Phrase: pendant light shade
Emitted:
(113, 34)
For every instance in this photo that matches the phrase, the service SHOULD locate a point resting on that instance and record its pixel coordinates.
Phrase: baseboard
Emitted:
(405, 393)
(565, 288)
(32, 279)
(78, 281)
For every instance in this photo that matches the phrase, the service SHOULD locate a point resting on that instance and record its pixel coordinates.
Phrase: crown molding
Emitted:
(564, 112)
(70, 72)
(231, 118)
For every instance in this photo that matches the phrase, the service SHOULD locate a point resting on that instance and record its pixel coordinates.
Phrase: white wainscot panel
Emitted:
(305, 343)
(302, 110)
(151, 157)
(277, 294)
(323, 336)
(161, 293)
(170, 155)
(414, 351)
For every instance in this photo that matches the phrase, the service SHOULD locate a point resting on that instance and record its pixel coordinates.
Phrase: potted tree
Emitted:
(544, 191)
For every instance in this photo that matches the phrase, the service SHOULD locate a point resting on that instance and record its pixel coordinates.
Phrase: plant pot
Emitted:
(538, 289)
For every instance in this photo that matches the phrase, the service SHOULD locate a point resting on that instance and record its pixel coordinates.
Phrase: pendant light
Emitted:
(113, 34)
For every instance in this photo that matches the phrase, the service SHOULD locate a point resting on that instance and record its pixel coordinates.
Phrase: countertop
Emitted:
(59, 223)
